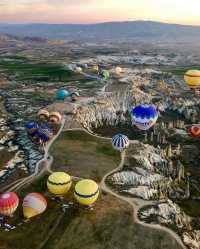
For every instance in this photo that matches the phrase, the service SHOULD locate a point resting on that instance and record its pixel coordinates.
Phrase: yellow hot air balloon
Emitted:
(59, 183)
(55, 117)
(78, 70)
(34, 204)
(95, 69)
(192, 78)
(118, 70)
(43, 114)
(86, 192)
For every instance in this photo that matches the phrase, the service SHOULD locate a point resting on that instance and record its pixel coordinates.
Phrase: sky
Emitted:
(95, 11)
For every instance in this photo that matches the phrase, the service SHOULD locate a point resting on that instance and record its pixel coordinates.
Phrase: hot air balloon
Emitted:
(118, 70)
(44, 134)
(32, 128)
(120, 142)
(62, 94)
(144, 116)
(43, 115)
(86, 192)
(95, 69)
(59, 183)
(78, 70)
(9, 202)
(74, 96)
(55, 117)
(34, 204)
(192, 78)
(194, 131)
(105, 74)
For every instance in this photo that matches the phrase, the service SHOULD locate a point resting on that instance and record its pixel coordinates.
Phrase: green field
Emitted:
(180, 71)
(83, 155)
(25, 69)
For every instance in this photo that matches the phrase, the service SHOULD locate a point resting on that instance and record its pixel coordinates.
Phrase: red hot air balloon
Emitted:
(194, 131)
(9, 202)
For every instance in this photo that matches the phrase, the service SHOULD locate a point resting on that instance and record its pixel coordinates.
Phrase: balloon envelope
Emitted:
(34, 204)
(104, 74)
(194, 131)
(62, 94)
(43, 114)
(44, 133)
(95, 68)
(55, 117)
(31, 128)
(192, 78)
(9, 202)
(78, 70)
(120, 142)
(86, 192)
(118, 70)
(144, 116)
(59, 183)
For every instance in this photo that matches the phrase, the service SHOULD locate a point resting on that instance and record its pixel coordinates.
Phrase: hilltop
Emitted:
(119, 31)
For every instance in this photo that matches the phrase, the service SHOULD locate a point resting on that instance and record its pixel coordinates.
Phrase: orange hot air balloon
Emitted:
(9, 202)
(194, 131)
(34, 204)
(192, 78)
(43, 115)
(55, 117)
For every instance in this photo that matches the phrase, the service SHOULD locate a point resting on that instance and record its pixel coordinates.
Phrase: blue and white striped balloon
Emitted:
(144, 116)
(120, 142)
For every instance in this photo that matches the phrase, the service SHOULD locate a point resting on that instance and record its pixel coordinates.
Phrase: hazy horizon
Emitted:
(93, 23)
(93, 11)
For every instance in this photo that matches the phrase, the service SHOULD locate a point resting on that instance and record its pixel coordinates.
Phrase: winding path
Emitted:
(41, 166)
(135, 203)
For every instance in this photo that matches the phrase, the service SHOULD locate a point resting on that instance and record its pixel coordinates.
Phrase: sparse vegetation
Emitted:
(109, 225)
(83, 155)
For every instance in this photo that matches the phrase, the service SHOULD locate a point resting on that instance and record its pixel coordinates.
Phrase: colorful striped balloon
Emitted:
(34, 204)
(144, 116)
(55, 117)
(44, 133)
(120, 142)
(194, 131)
(192, 78)
(86, 192)
(9, 202)
(43, 114)
(59, 183)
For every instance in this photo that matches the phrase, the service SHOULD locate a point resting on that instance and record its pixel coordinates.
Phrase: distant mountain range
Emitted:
(5, 37)
(112, 31)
